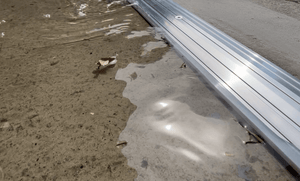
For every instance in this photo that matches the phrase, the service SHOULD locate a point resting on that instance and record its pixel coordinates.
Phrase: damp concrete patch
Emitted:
(148, 47)
(149, 31)
(138, 34)
(61, 116)
(180, 131)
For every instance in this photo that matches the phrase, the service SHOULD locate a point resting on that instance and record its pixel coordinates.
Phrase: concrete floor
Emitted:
(180, 131)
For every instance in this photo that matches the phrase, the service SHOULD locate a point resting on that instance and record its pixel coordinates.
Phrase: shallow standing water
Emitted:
(181, 131)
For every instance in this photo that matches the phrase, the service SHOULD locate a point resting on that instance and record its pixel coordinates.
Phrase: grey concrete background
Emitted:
(273, 34)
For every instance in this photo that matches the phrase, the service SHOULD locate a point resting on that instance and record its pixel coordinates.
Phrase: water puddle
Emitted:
(153, 45)
(76, 21)
(117, 28)
(135, 34)
(179, 128)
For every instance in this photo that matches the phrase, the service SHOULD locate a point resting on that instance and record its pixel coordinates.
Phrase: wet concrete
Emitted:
(180, 131)
(60, 116)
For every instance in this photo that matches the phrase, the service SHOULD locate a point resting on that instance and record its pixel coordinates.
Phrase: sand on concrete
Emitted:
(60, 116)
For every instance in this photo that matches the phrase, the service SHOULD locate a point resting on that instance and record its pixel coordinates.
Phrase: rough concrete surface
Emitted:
(60, 117)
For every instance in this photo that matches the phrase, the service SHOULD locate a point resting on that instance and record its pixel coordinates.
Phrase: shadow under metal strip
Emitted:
(262, 93)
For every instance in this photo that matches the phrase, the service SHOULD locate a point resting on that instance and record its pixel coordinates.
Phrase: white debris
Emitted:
(114, 61)
(2, 34)
(128, 14)
(114, 2)
(47, 15)
(108, 62)
(107, 20)
(92, 113)
(81, 14)
(81, 8)
(5, 125)
(109, 11)
(103, 63)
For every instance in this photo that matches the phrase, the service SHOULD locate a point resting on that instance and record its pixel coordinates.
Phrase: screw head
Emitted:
(178, 17)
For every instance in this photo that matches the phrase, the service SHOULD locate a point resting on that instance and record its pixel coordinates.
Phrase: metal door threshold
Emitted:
(262, 93)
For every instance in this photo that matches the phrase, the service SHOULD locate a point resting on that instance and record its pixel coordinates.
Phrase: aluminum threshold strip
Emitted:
(264, 94)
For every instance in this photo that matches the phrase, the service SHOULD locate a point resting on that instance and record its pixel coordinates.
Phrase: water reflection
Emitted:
(187, 153)
(82, 20)
(135, 34)
(148, 47)
(121, 26)
(239, 71)
(204, 133)
(168, 127)
(184, 131)
(163, 104)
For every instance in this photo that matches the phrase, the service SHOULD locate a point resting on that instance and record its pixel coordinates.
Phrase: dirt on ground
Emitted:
(60, 117)
(288, 7)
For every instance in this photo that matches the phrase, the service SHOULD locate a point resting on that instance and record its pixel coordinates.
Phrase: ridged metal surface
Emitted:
(262, 93)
